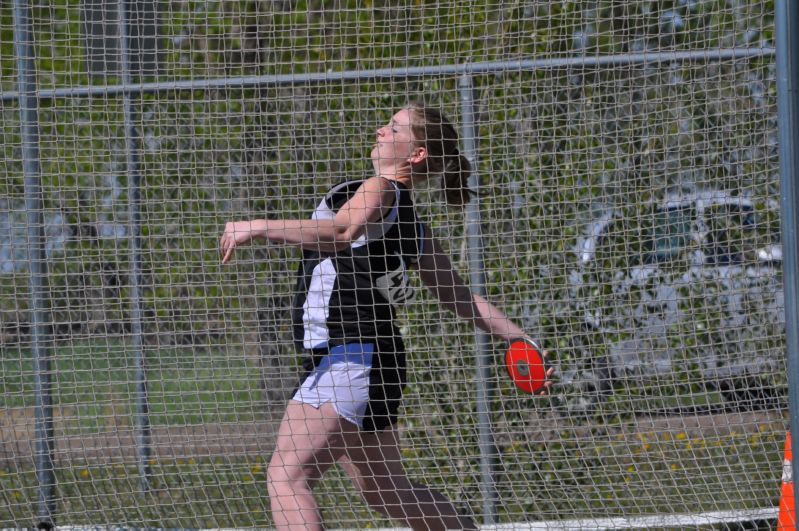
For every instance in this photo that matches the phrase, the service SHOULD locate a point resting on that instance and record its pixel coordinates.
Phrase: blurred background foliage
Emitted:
(554, 145)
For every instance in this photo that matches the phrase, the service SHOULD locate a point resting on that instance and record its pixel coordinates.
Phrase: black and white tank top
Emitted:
(352, 294)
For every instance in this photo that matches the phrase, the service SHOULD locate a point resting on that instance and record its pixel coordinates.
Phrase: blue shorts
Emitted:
(362, 381)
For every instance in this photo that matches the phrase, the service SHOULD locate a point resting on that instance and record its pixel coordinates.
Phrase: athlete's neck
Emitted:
(407, 180)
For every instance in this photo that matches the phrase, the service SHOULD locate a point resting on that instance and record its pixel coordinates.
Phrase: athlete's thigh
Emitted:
(309, 440)
(373, 460)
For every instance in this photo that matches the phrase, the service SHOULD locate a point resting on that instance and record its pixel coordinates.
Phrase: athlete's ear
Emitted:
(418, 154)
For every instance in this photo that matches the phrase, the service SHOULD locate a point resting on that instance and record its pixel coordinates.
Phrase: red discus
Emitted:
(526, 365)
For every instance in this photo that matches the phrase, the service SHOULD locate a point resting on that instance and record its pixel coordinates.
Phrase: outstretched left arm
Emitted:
(438, 275)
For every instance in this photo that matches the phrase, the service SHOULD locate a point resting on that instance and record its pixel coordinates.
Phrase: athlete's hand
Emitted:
(236, 233)
(550, 375)
(550, 372)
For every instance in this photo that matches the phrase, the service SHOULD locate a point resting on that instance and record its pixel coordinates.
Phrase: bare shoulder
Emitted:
(378, 184)
(373, 198)
(376, 192)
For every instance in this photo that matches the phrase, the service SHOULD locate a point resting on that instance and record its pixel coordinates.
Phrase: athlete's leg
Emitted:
(309, 441)
(374, 464)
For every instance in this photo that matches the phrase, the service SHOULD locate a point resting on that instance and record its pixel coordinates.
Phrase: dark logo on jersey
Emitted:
(395, 286)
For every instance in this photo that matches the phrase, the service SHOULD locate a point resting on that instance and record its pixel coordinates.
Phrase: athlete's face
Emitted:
(395, 148)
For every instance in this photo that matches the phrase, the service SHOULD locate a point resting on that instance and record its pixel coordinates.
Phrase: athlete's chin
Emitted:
(380, 156)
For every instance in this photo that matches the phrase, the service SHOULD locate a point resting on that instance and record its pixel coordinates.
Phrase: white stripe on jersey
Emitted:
(316, 309)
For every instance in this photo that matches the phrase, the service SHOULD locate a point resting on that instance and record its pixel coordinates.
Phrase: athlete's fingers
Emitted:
(550, 373)
(227, 246)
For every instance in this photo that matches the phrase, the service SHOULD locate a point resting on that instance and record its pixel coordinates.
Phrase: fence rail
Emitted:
(483, 67)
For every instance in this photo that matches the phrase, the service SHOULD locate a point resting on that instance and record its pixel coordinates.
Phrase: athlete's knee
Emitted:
(282, 476)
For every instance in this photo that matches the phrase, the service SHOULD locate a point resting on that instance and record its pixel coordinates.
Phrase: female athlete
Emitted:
(358, 247)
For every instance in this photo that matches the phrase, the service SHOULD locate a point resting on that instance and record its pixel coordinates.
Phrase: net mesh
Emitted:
(628, 200)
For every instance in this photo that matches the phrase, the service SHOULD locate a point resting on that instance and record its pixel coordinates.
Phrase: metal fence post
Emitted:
(41, 329)
(143, 434)
(786, 22)
(483, 354)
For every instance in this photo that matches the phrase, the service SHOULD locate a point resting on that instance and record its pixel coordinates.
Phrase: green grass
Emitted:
(589, 469)
(94, 384)
(657, 473)
(184, 493)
